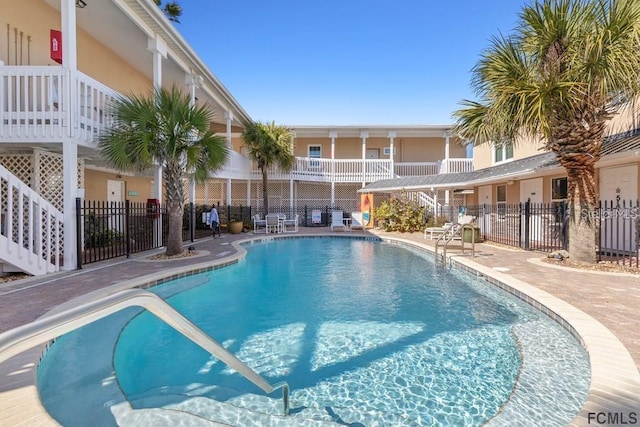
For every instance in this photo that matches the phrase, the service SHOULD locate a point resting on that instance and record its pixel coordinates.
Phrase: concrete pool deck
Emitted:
(576, 296)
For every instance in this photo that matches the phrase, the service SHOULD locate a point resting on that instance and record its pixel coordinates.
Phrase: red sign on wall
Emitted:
(55, 45)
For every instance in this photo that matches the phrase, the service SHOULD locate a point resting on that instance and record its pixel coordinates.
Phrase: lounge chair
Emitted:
(435, 232)
(291, 222)
(449, 227)
(356, 220)
(259, 224)
(337, 221)
(274, 224)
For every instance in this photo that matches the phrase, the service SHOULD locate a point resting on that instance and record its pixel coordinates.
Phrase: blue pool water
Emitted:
(365, 333)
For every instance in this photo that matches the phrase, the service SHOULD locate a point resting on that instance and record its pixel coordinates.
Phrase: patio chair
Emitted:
(259, 224)
(337, 221)
(291, 222)
(435, 232)
(273, 223)
(356, 221)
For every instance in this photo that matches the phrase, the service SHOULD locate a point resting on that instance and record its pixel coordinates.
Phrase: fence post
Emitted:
(563, 228)
(79, 234)
(127, 214)
(192, 221)
(527, 225)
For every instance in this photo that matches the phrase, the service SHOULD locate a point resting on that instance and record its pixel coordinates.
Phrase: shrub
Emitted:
(401, 216)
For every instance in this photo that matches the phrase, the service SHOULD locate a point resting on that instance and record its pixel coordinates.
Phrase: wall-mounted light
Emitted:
(81, 4)
(511, 182)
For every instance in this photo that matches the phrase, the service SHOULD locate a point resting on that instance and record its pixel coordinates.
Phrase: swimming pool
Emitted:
(364, 332)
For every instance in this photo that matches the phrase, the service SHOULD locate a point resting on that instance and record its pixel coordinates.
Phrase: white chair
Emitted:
(273, 223)
(259, 224)
(337, 221)
(291, 222)
(356, 220)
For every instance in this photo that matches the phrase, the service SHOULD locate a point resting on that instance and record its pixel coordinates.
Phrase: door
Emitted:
(373, 153)
(531, 189)
(485, 198)
(618, 192)
(115, 199)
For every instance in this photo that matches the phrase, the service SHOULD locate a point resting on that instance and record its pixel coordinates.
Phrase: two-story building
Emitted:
(62, 62)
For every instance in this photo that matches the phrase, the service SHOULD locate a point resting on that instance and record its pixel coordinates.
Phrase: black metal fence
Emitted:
(109, 230)
(113, 229)
(530, 226)
(619, 231)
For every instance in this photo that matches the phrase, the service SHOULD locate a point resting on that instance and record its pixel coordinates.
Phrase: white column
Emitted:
(333, 135)
(446, 162)
(69, 146)
(248, 192)
(70, 192)
(364, 135)
(291, 201)
(194, 81)
(392, 135)
(69, 48)
(228, 115)
(158, 49)
(446, 135)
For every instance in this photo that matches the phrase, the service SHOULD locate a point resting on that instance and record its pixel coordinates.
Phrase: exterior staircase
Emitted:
(31, 229)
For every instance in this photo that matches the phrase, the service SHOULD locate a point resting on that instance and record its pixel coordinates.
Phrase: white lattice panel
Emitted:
(347, 197)
(21, 165)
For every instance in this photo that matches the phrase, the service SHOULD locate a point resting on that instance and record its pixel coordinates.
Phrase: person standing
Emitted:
(214, 221)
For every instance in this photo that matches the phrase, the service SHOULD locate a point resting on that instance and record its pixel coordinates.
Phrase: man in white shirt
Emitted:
(214, 221)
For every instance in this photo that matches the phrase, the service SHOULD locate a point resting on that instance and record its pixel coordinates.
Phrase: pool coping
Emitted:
(615, 381)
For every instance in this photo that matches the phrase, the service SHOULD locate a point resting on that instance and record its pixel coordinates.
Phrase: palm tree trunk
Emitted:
(265, 196)
(175, 207)
(583, 214)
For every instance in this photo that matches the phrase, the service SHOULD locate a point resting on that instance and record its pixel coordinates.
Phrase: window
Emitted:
(314, 152)
(387, 150)
(501, 199)
(559, 194)
(503, 152)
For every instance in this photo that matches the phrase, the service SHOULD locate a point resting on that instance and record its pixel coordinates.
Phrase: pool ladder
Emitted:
(47, 328)
(457, 230)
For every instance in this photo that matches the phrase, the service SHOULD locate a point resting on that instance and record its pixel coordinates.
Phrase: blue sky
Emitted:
(346, 62)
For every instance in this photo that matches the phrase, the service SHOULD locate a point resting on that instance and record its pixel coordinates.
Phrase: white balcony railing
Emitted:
(456, 165)
(327, 170)
(416, 168)
(50, 104)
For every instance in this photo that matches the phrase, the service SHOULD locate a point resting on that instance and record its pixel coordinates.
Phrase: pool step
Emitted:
(246, 410)
(256, 410)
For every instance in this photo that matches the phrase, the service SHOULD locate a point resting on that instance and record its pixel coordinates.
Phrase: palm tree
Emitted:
(269, 145)
(165, 129)
(172, 10)
(568, 69)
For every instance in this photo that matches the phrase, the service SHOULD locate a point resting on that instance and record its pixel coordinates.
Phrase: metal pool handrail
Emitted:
(45, 329)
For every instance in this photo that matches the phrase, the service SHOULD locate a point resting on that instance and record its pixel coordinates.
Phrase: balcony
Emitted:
(341, 170)
(43, 104)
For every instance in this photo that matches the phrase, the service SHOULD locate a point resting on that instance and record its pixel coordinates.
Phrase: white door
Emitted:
(485, 198)
(115, 193)
(373, 153)
(484, 195)
(619, 190)
(531, 189)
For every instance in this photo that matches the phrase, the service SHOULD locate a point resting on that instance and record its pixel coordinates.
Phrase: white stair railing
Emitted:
(45, 329)
(30, 228)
